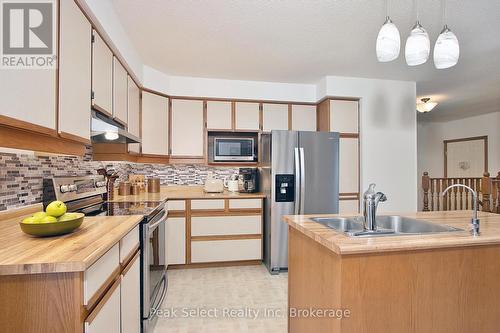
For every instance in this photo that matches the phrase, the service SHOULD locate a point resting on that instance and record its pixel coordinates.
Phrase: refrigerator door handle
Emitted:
(297, 181)
(302, 180)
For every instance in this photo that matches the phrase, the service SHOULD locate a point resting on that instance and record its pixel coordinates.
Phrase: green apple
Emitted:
(67, 217)
(38, 216)
(56, 208)
(30, 219)
(48, 219)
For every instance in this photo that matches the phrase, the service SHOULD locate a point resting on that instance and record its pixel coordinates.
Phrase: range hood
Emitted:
(105, 130)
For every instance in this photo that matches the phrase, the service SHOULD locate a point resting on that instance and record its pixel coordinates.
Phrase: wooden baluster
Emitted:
(445, 197)
(438, 193)
(486, 190)
(432, 193)
(455, 194)
(467, 182)
(498, 193)
(462, 195)
(425, 187)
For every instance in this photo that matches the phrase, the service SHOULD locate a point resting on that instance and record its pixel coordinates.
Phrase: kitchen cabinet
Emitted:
(247, 116)
(106, 316)
(304, 117)
(226, 250)
(349, 165)
(134, 114)
(130, 300)
(274, 117)
(154, 124)
(344, 116)
(102, 75)
(120, 90)
(219, 115)
(75, 61)
(176, 240)
(187, 128)
(349, 206)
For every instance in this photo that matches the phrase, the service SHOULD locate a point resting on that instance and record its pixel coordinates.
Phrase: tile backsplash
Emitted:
(22, 173)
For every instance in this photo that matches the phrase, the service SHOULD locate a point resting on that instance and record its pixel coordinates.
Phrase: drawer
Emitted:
(128, 244)
(98, 274)
(106, 315)
(226, 225)
(245, 203)
(176, 205)
(207, 204)
(226, 250)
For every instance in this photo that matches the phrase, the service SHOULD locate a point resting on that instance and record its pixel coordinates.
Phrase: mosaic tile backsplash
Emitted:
(21, 174)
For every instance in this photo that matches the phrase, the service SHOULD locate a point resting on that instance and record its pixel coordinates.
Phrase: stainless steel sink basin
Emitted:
(386, 226)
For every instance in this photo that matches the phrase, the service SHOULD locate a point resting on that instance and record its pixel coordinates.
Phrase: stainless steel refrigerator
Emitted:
(299, 174)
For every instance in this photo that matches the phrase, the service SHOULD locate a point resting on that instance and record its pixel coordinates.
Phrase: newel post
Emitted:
(425, 187)
(486, 191)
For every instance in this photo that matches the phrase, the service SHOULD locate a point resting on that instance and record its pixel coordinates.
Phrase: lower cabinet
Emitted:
(214, 230)
(116, 275)
(106, 316)
(176, 240)
(131, 297)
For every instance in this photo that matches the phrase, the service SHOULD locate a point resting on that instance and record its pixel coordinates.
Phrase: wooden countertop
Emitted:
(24, 254)
(183, 193)
(345, 245)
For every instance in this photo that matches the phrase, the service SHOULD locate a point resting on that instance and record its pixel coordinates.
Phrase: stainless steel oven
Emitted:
(153, 270)
(234, 149)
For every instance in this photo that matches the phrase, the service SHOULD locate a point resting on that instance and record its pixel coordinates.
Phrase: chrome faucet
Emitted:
(370, 204)
(474, 221)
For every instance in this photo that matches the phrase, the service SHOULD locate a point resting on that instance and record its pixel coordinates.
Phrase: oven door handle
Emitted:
(154, 225)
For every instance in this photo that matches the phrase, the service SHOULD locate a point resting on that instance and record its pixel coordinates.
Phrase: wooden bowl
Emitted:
(52, 228)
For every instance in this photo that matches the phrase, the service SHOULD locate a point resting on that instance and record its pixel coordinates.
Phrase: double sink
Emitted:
(392, 225)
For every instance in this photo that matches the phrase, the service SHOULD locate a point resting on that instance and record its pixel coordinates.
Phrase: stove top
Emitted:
(147, 209)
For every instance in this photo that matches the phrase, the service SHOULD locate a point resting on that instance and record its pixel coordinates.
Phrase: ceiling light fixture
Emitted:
(446, 49)
(388, 40)
(426, 106)
(418, 45)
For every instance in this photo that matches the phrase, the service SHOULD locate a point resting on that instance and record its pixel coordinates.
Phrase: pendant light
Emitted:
(418, 45)
(425, 105)
(446, 49)
(388, 40)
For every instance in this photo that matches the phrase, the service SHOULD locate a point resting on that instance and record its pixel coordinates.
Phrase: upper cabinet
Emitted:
(344, 116)
(120, 88)
(134, 114)
(102, 75)
(304, 117)
(274, 117)
(75, 52)
(187, 128)
(154, 124)
(219, 115)
(247, 116)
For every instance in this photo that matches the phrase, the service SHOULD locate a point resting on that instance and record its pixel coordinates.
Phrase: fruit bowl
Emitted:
(52, 228)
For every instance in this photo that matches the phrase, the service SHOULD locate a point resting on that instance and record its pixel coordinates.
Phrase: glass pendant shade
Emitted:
(446, 50)
(388, 42)
(425, 105)
(418, 46)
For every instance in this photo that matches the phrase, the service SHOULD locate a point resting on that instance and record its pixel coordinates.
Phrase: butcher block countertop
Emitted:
(342, 244)
(23, 254)
(183, 192)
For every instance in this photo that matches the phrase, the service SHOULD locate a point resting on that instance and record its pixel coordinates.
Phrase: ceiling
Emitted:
(304, 40)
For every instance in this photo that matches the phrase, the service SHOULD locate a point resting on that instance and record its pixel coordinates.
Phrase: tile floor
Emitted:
(227, 299)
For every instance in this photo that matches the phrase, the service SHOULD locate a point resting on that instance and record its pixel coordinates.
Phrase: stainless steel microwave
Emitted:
(234, 149)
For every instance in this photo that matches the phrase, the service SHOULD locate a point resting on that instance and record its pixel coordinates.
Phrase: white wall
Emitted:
(104, 16)
(432, 134)
(222, 88)
(388, 130)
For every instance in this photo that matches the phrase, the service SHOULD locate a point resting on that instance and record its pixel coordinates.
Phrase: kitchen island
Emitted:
(421, 283)
(72, 282)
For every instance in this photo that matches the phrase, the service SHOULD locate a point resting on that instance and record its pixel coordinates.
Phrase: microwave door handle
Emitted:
(302, 180)
(297, 181)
